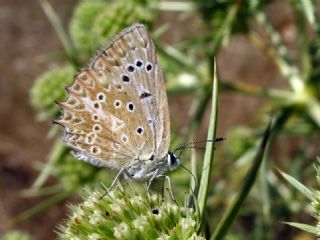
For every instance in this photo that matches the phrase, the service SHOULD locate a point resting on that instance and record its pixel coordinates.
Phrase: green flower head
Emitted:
(129, 215)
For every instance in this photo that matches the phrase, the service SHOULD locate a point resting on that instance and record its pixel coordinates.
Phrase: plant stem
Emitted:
(58, 151)
(61, 32)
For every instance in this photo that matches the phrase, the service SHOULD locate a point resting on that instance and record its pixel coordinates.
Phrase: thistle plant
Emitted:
(48, 88)
(188, 66)
(94, 22)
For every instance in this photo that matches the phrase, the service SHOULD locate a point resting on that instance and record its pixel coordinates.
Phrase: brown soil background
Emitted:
(26, 36)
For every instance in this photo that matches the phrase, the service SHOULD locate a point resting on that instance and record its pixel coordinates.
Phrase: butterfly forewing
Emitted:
(116, 111)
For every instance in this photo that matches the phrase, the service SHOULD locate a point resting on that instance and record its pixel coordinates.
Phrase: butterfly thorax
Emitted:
(143, 170)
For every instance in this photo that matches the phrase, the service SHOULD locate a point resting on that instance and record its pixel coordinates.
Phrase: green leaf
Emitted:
(209, 154)
(305, 227)
(298, 185)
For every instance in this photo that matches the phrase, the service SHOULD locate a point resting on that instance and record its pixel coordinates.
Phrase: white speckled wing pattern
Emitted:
(117, 111)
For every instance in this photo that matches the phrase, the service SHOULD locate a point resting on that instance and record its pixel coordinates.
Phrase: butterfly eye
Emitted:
(173, 161)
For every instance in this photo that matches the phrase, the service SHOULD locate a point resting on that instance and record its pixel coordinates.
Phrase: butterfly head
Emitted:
(173, 161)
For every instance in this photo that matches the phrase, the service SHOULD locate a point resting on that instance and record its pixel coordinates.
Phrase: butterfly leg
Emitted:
(169, 186)
(152, 178)
(121, 172)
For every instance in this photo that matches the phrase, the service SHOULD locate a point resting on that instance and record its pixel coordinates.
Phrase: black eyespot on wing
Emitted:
(96, 105)
(131, 68)
(149, 67)
(125, 78)
(145, 95)
(139, 130)
(139, 63)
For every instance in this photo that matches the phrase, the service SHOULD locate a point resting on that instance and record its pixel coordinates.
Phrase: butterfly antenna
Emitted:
(185, 145)
(182, 149)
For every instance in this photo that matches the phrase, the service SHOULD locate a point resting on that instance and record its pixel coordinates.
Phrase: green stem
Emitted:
(38, 192)
(252, 90)
(57, 152)
(281, 55)
(62, 34)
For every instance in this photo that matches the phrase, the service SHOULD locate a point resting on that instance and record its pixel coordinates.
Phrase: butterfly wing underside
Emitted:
(117, 110)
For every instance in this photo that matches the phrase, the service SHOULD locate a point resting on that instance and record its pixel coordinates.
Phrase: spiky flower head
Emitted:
(96, 22)
(81, 23)
(129, 215)
(48, 88)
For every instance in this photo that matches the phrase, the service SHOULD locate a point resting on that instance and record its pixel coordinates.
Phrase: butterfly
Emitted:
(116, 114)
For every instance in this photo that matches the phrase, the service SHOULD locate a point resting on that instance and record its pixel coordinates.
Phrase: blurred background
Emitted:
(267, 54)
